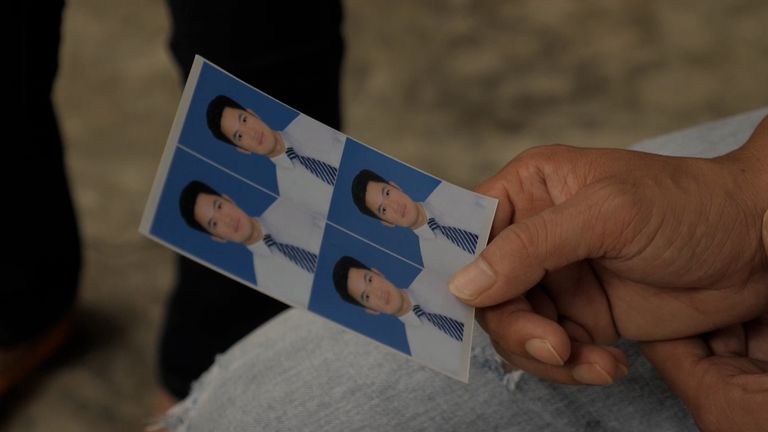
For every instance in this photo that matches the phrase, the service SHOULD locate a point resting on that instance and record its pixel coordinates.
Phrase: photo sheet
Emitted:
(301, 212)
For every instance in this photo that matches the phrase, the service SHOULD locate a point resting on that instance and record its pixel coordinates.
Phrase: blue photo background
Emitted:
(343, 212)
(325, 300)
(196, 136)
(169, 226)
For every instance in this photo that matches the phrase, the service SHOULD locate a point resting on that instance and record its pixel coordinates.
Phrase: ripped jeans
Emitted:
(301, 373)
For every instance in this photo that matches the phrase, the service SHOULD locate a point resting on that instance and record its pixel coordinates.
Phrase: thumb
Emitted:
(582, 227)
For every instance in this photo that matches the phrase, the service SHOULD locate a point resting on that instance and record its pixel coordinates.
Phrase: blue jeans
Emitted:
(300, 372)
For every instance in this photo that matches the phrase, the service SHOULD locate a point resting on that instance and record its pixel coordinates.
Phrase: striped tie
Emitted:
(299, 256)
(318, 168)
(449, 326)
(460, 237)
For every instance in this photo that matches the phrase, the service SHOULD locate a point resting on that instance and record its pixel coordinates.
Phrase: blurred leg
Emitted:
(303, 373)
(292, 51)
(46, 254)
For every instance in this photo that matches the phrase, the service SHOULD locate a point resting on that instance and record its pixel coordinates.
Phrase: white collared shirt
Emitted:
(452, 206)
(429, 344)
(276, 275)
(313, 139)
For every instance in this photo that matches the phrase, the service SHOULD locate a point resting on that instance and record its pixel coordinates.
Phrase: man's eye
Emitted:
(213, 224)
(239, 137)
(384, 211)
(386, 192)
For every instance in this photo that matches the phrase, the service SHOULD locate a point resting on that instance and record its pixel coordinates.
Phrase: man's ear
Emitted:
(386, 224)
(372, 312)
(217, 239)
(252, 113)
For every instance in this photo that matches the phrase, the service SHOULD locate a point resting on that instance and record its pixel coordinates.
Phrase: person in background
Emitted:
(36, 302)
(207, 312)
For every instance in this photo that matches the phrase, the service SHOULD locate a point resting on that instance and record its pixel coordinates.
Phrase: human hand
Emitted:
(722, 378)
(617, 243)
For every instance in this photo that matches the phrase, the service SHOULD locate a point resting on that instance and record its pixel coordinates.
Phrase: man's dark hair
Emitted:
(213, 115)
(341, 277)
(187, 201)
(359, 187)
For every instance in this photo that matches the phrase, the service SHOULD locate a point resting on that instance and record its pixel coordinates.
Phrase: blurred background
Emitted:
(454, 87)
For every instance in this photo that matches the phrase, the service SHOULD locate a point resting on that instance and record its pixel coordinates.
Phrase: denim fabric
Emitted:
(303, 373)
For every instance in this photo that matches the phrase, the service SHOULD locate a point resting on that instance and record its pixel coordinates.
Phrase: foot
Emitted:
(18, 363)
(163, 402)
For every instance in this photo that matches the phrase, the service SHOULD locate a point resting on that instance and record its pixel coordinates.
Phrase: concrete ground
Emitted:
(474, 81)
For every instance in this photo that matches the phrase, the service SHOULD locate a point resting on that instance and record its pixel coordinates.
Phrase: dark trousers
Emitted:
(45, 252)
(291, 50)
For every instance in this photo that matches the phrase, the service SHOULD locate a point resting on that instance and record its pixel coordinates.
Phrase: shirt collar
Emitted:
(410, 319)
(424, 231)
(259, 248)
(282, 161)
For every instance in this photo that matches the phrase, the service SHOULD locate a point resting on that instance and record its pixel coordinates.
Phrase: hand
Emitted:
(723, 378)
(617, 243)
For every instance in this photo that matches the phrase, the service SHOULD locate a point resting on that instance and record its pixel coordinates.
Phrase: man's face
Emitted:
(390, 204)
(223, 219)
(246, 130)
(373, 291)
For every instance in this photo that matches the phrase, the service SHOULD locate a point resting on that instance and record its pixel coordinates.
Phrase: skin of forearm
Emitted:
(758, 146)
(765, 233)
(755, 153)
(757, 150)
(750, 166)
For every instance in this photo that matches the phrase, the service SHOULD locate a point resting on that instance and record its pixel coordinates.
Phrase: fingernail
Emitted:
(591, 373)
(542, 350)
(472, 280)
